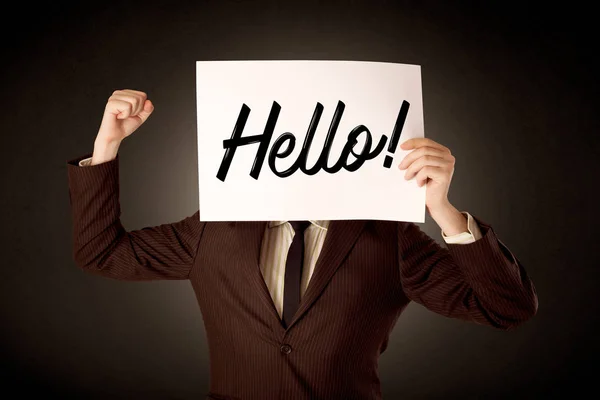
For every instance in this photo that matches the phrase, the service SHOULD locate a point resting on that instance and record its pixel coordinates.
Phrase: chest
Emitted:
(362, 267)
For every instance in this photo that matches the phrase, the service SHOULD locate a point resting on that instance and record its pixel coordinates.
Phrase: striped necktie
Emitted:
(293, 272)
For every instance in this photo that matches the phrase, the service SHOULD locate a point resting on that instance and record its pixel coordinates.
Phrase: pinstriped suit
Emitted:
(366, 274)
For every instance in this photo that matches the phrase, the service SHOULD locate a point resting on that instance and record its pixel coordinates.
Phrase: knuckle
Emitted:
(138, 93)
(127, 107)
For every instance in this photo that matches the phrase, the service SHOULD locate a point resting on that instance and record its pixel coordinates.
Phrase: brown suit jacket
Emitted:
(367, 273)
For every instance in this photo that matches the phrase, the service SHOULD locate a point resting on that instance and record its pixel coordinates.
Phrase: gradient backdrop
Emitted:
(511, 90)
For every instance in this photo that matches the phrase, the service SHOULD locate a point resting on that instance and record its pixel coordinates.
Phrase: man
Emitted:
(299, 316)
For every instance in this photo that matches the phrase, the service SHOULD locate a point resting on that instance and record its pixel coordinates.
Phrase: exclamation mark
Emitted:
(396, 133)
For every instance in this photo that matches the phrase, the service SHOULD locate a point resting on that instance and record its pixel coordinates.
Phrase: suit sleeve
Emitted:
(101, 245)
(480, 281)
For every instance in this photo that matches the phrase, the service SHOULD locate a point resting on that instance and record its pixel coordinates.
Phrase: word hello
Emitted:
(264, 140)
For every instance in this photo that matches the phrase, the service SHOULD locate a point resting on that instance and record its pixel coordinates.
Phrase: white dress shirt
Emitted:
(278, 238)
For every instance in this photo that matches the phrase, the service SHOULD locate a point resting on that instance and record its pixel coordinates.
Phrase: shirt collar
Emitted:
(321, 223)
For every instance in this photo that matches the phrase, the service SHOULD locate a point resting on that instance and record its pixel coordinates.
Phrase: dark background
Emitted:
(510, 89)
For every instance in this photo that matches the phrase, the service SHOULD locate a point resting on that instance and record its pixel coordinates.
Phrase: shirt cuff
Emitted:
(85, 162)
(465, 237)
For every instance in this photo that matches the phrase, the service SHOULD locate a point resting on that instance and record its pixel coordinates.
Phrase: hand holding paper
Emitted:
(432, 164)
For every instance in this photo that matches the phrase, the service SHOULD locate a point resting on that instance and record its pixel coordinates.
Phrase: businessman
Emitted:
(299, 309)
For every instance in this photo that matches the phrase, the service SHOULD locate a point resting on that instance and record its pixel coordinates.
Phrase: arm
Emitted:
(474, 278)
(480, 281)
(101, 244)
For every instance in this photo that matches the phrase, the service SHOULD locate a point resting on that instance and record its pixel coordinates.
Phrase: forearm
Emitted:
(95, 208)
(449, 219)
(104, 150)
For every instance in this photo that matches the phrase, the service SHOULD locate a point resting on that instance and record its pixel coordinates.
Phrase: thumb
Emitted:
(146, 111)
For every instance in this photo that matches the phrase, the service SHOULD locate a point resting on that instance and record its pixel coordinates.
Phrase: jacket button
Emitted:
(285, 349)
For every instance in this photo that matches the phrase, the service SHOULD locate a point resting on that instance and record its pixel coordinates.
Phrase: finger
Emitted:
(135, 91)
(420, 142)
(141, 97)
(420, 152)
(429, 172)
(135, 96)
(134, 100)
(134, 121)
(120, 108)
(423, 162)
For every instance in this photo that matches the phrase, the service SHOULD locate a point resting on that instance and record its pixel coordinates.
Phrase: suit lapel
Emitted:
(341, 236)
(249, 237)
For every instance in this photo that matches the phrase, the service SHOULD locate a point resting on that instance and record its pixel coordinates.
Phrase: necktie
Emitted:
(293, 272)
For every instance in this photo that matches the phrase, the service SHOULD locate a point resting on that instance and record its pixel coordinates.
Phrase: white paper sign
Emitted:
(299, 140)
